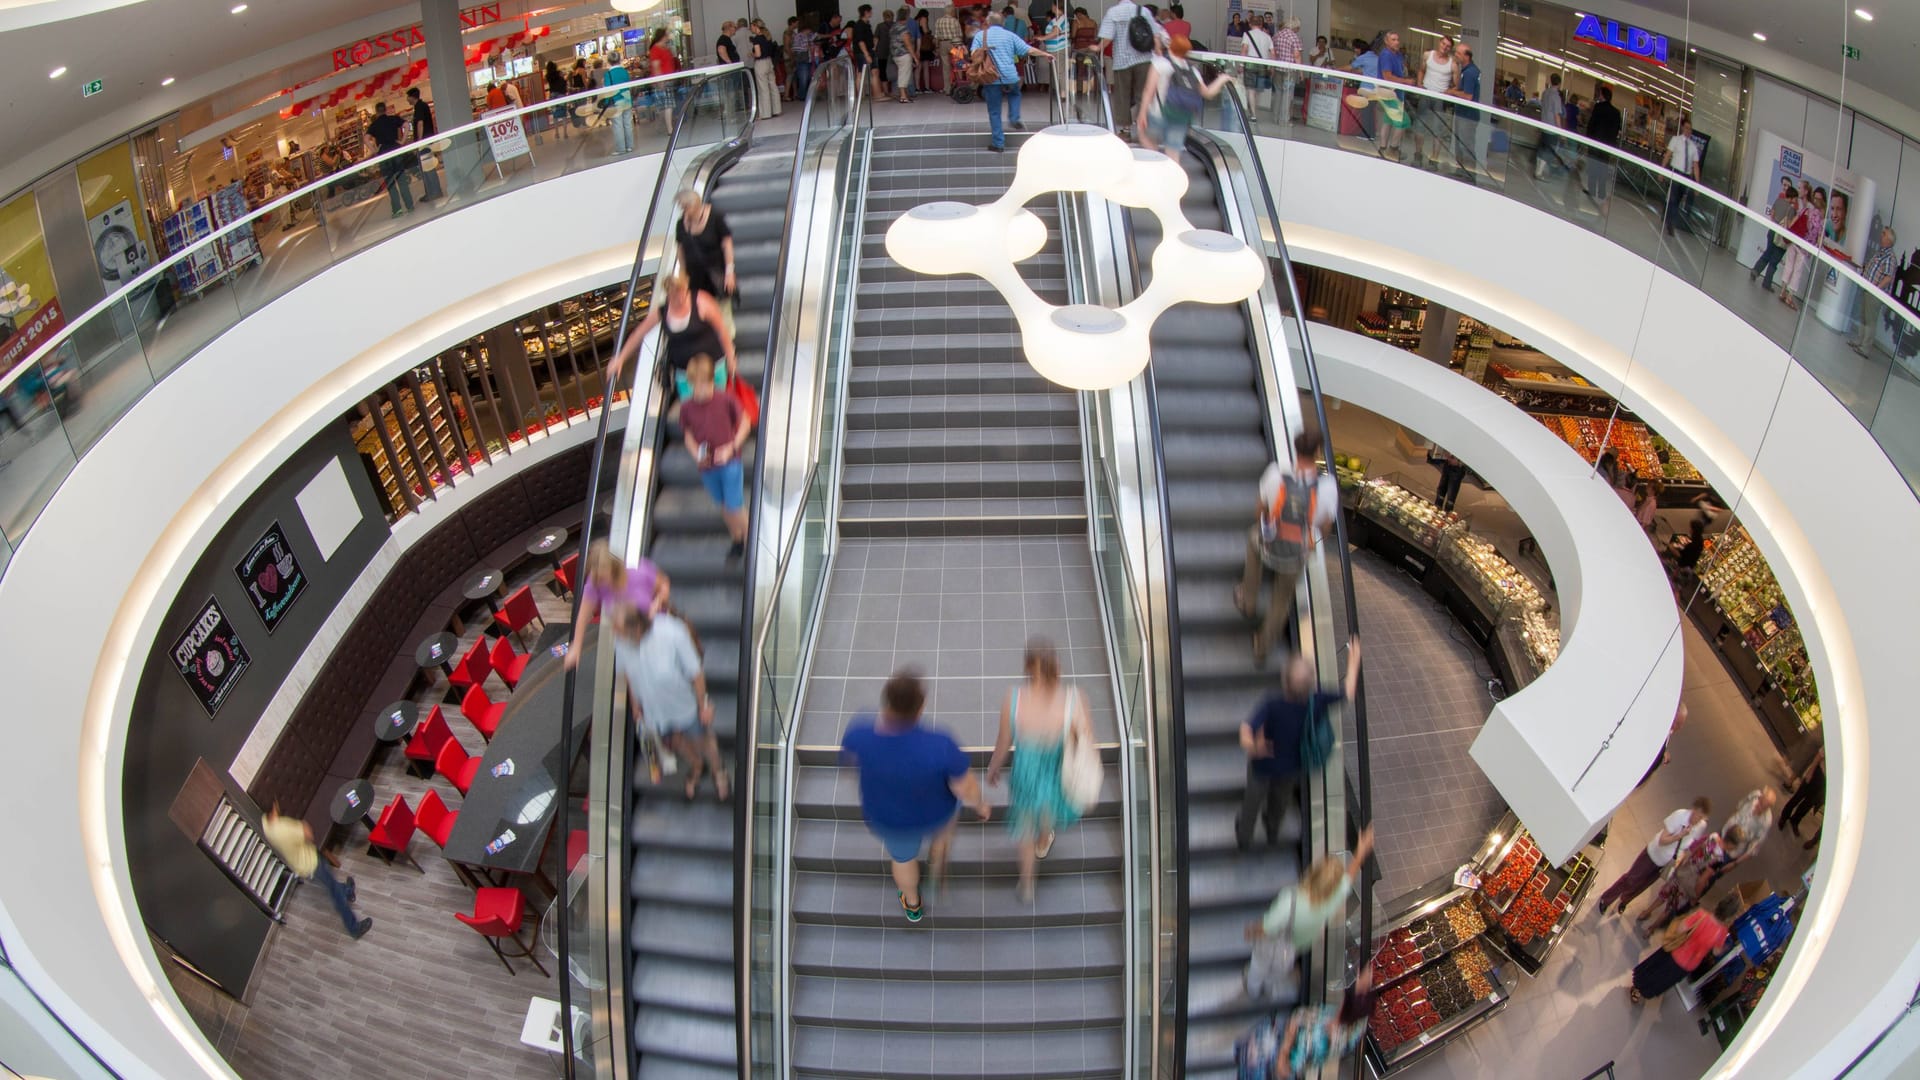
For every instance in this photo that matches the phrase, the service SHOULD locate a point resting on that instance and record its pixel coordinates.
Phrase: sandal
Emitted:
(1633, 995)
(723, 788)
(1045, 845)
(1024, 890)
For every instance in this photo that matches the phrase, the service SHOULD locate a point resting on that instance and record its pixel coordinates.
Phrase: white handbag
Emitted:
(1081, 772)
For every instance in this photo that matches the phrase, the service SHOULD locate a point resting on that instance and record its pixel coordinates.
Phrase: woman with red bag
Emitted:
(1685, 945)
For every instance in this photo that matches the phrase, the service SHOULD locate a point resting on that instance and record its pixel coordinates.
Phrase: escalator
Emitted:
(962, 526)
(681, 856)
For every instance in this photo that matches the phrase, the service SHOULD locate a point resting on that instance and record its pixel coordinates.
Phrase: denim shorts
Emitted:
(904, 844)
(726, 484)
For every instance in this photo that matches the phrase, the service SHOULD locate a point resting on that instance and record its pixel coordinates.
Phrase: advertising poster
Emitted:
(272, 576)
(1323, 103)
(505, 135)
(1849, 199)
(210, 657)
(29, 310)
(122, 247)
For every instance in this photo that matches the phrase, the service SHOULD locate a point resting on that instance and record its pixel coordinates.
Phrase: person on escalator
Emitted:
(706, 251)
(1176, 91)
(691, 324)
(1297, 916)
(716, 428)
(1288, 734)
(668, 685)
(609, 587)
(1295, 507)
(1310, 1036)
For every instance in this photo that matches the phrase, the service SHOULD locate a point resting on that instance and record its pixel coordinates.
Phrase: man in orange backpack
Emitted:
(1295, 507)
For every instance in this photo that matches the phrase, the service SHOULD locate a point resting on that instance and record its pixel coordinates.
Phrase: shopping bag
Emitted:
(743, 393)
(1080, 770)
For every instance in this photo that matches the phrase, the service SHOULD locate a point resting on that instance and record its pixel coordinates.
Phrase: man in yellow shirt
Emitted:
(293, 840)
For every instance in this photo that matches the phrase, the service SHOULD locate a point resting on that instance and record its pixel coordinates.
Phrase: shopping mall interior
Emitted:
(1348, 555)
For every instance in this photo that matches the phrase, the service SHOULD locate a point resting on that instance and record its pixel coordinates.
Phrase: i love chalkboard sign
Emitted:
(271, 576)
(210, 657)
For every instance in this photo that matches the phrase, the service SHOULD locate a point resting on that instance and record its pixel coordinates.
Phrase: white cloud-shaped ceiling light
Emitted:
(1082, 346)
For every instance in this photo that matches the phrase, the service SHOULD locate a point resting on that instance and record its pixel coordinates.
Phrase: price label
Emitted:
(1425, 1038)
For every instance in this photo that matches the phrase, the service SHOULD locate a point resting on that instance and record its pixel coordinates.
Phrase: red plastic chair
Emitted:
(427, 740)
(497, 915)
(519, 611)
(568, 573)
(472, 668)
(435, 819)
(507, 664)
(454, 764)
(393, 833)
(483, 713)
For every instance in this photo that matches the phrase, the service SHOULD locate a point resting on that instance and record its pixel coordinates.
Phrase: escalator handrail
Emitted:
(568, 686)
(1176, 751)
(746, 726)
(1256, 168)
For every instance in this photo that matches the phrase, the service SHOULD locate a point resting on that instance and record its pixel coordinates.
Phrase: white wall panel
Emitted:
(1876, 154)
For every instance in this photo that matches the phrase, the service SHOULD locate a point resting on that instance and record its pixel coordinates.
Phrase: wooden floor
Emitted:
(421, 995)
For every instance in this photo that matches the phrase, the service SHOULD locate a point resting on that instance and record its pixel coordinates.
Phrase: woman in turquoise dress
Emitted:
(1033, 723)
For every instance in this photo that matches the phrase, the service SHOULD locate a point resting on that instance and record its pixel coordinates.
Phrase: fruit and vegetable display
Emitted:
(1741, 583)
(1514, 871)
(1674, 466)
(1533, 913)
(1402, 1013)
(1511, 373)
(1349, 470)
(1426, 939)
(1636, 447)
(1414, 1006)
(1391, 502)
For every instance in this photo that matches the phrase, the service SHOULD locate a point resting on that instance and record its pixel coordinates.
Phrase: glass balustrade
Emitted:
(59, 401)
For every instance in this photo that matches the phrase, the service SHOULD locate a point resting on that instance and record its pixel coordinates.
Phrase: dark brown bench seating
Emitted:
(329, 737)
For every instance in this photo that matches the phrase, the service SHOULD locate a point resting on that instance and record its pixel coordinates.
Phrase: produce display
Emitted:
(1391, 502)
(1636, 447)
(1402, 1013)
(1426, 939)
(1414, 1006)
(1499, 581)
(1532, 913)
(1514, 871)
(1511, 373)
(1675, 467)
(1741, 583)
(1349, 471)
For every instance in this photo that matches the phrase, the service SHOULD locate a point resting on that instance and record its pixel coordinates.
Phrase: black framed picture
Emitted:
(210, 657)
(271, 576)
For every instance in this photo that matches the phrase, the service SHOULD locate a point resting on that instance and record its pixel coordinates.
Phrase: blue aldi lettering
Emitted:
(1621, 38)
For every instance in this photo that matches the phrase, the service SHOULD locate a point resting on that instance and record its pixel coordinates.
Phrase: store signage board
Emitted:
(272, 576)
(210, 657)
(505, 135)
(93, 88)
(398, 41)
(1644, 45)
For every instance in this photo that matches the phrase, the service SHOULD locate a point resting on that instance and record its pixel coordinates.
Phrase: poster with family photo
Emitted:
(210, 657)
(271, 576)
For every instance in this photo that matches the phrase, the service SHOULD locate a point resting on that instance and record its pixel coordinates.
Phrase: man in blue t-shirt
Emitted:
(912, 781)
(1272, 736)
(1006, 50)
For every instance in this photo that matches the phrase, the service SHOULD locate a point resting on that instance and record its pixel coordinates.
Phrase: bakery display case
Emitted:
(1438, 977)
(1486, 575)
(428, 425)
(1417, 520)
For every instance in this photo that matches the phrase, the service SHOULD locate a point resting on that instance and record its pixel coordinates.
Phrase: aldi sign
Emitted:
(1642, 45)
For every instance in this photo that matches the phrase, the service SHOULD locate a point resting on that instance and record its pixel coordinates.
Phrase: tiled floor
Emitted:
(325, 1005)
(960, 611)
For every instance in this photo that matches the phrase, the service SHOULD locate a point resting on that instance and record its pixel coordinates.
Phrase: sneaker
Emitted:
(996, 149)
(361, 930)
(1018, 126)
(738, 549)
(353, 891)
(914, 913)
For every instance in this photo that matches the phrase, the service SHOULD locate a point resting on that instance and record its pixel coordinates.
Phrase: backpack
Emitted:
(1316, 739)
(1286, 527)
(1140, 33)
(1183, 100)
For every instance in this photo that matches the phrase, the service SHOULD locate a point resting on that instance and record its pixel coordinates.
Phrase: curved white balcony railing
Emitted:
(1697, 234)
(59, 401)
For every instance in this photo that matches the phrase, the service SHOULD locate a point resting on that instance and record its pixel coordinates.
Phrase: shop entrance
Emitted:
(815, 12)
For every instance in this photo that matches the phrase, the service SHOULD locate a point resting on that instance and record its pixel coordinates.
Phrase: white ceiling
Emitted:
(1813, 31)
(133, 47)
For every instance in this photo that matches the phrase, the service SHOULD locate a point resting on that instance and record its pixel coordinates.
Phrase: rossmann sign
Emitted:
(1644, 45)
(399, 41)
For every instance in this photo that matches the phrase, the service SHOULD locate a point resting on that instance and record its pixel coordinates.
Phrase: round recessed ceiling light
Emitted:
(1758, 36)
(1863, 14)
(56, 72)
(238, 8)
(168, 81)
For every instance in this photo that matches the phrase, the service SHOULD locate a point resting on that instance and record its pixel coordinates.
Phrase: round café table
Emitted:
(392, 723)
(353, 801)
(547, 546)
(437, 651)
(484, 584)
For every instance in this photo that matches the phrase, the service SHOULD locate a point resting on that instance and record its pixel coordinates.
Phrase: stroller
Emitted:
(963, 91)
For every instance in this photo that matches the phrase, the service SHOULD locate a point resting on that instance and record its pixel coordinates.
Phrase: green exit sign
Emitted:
(93, 88)
(1851, 52)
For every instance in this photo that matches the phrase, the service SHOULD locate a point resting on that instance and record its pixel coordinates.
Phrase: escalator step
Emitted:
(994, 956)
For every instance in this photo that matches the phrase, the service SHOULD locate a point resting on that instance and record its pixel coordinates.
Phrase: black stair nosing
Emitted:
(1008, 954)
(859, 1054)
(1066, 1001)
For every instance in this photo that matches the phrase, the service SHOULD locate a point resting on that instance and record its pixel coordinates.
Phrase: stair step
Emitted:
(934, 320)
(685, 986)
(960, 444)
(664, 1068)
(957, 1005)
(963, 411)
(673, 825)
(835, 1052)
(967, 902)
(993, 956)
(848, 847)
(984, 480)
(872, 349)
(1192, 454)
(1038, 516)
(687, 1036)
(702, 934)
(689, 879)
